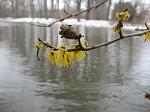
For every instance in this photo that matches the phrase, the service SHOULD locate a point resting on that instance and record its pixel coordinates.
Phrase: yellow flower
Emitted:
(61, 45)
(40, 45)
(50, 56)
(62, 57)
(84, 42)
(79, 55)
(123, 15)
(58, 57)
(68, 59)
(117, 27)
(147, 36)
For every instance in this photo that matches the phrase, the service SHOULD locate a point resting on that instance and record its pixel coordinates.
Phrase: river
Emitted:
(110, 79)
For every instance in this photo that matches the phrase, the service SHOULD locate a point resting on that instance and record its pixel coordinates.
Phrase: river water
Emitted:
(110, 79)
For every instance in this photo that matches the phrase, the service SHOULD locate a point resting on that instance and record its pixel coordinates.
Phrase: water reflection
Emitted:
(105, 81)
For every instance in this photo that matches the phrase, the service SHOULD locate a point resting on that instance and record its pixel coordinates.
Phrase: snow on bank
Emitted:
(88, 23)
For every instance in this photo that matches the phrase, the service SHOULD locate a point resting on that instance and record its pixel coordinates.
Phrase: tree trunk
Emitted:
(23, 8)
(109, 6)
(31, 8)
(52, 7)
(66, 4)
(12, 8)
(17, 8)
(78, 8)
(40, 8)
(58, 4)
(88, 12)
(45, 9)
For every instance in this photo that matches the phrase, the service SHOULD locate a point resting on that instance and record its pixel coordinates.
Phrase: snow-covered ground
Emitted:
(88, 23)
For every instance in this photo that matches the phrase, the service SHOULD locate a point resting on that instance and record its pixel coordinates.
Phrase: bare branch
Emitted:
(146, 26)
(120, 34)
(39, 25)
(102, 44)
(66, 12)
(115, 40)
(143, 29)
(46, 44)
(37, 54)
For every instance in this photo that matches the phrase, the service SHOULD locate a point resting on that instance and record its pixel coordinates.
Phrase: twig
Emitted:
(37, 54)
(120, 34)
(146, 26)
(70, 15)
(66, 12)
(39, 25)
(46, 44)
(102, 44)
(80, 45)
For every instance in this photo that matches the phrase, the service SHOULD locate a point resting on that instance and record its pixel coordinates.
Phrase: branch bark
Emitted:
(102, 44)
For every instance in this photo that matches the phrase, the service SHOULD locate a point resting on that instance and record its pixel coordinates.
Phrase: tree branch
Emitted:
(102, 44)
(71, 15)
(146, 26)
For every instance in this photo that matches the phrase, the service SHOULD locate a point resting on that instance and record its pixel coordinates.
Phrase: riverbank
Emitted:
(88, 23)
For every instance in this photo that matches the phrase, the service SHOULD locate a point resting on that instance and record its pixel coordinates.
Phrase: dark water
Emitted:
(110, 79)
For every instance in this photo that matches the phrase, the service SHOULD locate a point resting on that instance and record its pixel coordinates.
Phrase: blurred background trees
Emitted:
(55, 9)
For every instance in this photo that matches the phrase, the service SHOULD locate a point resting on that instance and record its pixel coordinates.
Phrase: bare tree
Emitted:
(16, 8)
(22, 7)
(78, 8)
(88, 12)
(58, 4)
(12, 7)
(66, 4)
(52, 8)
(109, 6)
(45, 8)
(32, 8)
(39, 3)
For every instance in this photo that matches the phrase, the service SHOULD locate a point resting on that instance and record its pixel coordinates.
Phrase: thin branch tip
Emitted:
(39, 39)
(101, 44)
(146, 25)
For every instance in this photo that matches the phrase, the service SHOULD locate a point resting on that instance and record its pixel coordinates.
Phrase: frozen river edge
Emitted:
(87, 23)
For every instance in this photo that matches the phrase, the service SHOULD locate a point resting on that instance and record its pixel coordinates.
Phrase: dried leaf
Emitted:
(147, 96)
(67, 32)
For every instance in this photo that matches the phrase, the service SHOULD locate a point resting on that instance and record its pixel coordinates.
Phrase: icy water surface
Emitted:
(110, 79)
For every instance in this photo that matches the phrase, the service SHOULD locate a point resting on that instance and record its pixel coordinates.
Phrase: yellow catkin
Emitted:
(62, 57)
(50, 56)
(123, 15)
(67, 59)
(40, 45)
(58, 57)
(61, 45)
(117, 27)
(84, 42)
(79, 55)
(147, 36)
